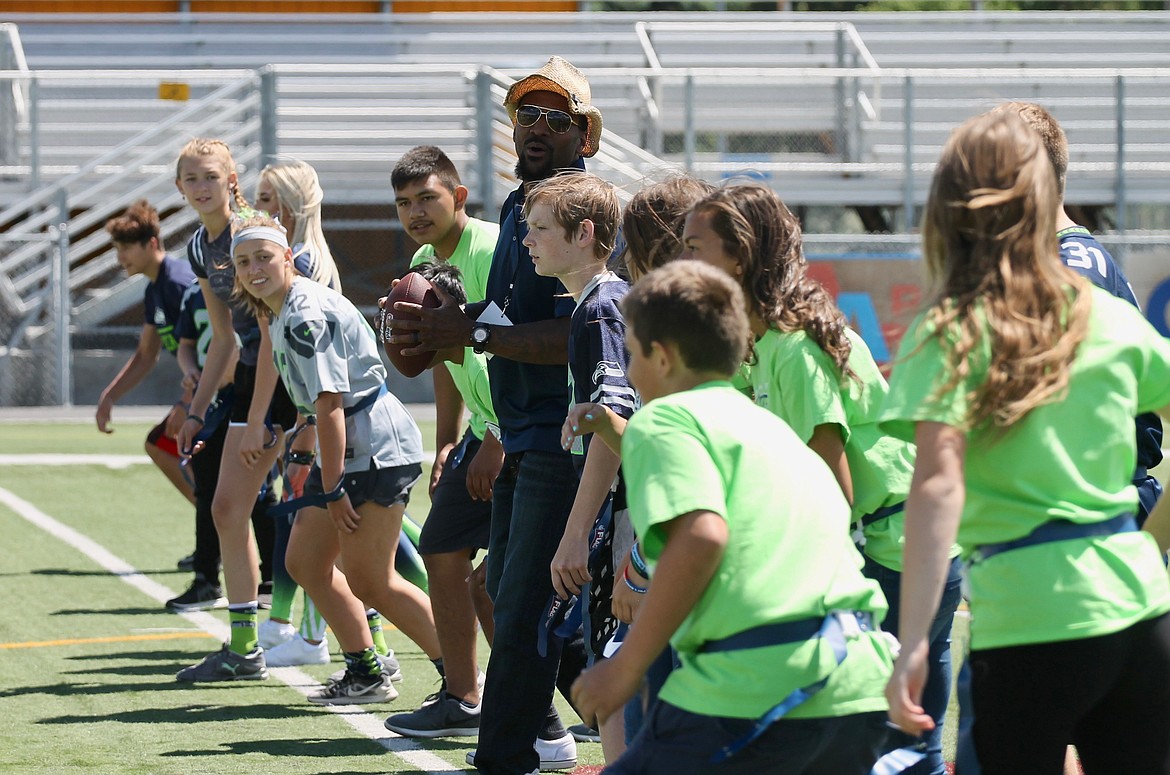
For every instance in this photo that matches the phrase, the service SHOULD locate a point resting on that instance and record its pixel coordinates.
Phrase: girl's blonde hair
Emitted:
(759, 231)
(240, 294)
(989, 239)
(203, 148)
(298, 190)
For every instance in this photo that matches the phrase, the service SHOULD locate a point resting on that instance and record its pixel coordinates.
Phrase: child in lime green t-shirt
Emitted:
(755, 580)
(1019, 384)
(813, 372)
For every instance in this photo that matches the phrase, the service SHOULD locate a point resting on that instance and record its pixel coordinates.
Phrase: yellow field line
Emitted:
(34, 644)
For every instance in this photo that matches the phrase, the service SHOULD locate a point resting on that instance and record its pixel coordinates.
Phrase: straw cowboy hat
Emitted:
(560, 77)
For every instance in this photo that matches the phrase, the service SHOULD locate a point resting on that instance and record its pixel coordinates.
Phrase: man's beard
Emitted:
(529, 172)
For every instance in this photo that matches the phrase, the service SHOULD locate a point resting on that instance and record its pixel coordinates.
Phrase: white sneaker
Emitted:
(559, 754)
(272, 633)
(297, 651)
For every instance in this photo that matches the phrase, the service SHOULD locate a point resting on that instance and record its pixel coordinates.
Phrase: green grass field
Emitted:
(87, 661)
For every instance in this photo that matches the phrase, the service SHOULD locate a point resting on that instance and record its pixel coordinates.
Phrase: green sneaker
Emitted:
(226, 665)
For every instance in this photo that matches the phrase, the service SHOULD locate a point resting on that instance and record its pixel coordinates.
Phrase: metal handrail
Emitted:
(11, 34)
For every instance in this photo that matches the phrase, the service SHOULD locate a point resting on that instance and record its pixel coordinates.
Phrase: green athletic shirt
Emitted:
(1070, 459)
(788, 557)
(471, 379)
(472, 256)
(798, 382)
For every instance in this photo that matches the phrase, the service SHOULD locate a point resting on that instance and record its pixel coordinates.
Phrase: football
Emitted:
(416, 289)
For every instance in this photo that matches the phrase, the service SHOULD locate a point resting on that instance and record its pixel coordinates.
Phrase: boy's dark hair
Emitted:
(445, 276)
(697, 307)
(135, 226)
(422, 161)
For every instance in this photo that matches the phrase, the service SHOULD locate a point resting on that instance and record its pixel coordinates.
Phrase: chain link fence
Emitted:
(36, 360)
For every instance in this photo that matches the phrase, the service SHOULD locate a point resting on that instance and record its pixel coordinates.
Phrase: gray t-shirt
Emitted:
(322, 344)
(211, 260)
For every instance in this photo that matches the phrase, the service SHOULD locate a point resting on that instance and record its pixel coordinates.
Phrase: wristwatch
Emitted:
(480, 335)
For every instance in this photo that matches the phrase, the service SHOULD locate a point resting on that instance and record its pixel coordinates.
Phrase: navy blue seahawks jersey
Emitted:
(164, 297)
(1082, 253)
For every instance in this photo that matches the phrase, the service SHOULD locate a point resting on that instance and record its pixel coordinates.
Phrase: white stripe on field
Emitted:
(365, 723)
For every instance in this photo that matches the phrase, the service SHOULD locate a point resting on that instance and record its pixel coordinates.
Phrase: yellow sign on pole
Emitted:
(179, 92)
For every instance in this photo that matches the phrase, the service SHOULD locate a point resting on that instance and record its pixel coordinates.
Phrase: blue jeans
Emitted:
(640, 705)
(938, 681)
(530, 507)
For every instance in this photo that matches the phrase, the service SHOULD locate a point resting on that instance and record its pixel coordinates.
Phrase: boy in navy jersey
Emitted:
(572, 224)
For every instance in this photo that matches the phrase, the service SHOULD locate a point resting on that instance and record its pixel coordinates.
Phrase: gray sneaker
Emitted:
(390, 667)
(226, 665)
(356, 690)
(444, 717)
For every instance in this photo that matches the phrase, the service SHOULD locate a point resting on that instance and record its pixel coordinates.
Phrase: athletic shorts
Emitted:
(384, 486)
(158, 438)
(281, 412)
(457, 521)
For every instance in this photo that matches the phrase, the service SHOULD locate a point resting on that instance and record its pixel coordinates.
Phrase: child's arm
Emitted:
(600, 420)
(933, 510)
(695, 543)
(331, 441)
(826, 441)
(448, 419)
(570, 566)
(139, 364)
(484, 468)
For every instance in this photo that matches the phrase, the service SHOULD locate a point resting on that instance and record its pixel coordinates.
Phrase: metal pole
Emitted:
(34, 135)
(908, 155)
(842, 117)
(689, 122)
(268, 139)
(1121, 193)
(62, 305)
(483, 140)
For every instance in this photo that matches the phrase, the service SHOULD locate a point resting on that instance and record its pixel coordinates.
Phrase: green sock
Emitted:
(363, 662)
(375, 621)
(243, 619)
(312, 622)
(284, 592)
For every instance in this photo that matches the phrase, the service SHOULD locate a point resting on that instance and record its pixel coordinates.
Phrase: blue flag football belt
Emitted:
(293, 505)
(1059, 530)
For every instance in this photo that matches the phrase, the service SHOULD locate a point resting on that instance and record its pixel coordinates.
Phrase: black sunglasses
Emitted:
(558, 120)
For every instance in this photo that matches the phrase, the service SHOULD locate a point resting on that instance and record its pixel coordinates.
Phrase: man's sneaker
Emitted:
(390, 667)
(272, 633)
(264, 595)
(356, 690)
(444, 717)
(298, 651)
(200, 596)
(582, 733)
(226, 665)
(187, 564)
(559, 754)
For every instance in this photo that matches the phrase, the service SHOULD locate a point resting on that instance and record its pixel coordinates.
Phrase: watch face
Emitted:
(479, 335)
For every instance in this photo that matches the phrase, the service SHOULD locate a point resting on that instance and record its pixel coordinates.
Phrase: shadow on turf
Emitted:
(310, 747)
(166, 682)
(156, 609)
(192, 714)
(103, 573)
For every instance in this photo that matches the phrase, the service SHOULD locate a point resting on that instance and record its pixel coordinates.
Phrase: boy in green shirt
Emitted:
(756, 582)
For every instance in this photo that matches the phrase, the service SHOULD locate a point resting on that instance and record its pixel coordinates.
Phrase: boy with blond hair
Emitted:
(572, 226)
(757, 584)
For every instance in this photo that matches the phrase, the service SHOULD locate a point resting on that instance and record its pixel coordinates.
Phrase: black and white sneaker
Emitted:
(356, 690)
(200, 596)
(444, 717)
(390, 668)
(226, 665)
(583, 733)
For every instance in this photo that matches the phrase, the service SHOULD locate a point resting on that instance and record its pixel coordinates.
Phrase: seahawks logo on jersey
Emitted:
(310, 337)
(607, 369)
(160, 318)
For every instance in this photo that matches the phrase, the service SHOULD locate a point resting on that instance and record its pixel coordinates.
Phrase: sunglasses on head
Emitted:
(558, 120)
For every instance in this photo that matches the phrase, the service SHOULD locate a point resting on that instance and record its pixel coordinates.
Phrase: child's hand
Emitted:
(570, 566)
(484, 468)
(252, 446)
(626, 601)
(583, 419)
(904, 692)
(345, 519)
(604, 689)
(175, 419)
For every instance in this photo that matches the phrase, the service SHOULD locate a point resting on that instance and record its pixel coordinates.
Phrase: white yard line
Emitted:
(109, 461)
(366, 723)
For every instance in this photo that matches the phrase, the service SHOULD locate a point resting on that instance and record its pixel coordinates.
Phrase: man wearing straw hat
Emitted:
(524, 325)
